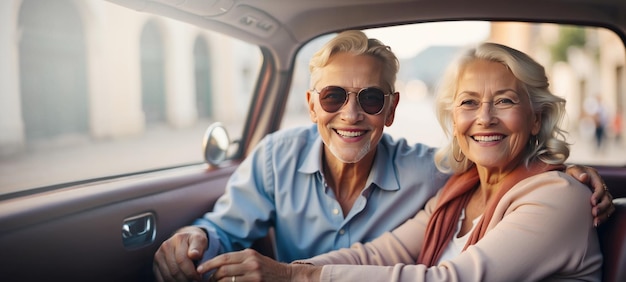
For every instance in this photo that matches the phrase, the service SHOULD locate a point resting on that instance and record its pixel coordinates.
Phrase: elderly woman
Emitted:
(509, 212)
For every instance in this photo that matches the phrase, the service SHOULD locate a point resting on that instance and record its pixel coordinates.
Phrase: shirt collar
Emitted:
(313, 160)
(383, 174)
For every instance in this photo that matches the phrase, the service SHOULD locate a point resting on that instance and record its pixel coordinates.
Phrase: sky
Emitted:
(425, 34)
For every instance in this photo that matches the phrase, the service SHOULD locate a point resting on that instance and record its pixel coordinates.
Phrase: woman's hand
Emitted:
(249, 265)
(601, 200)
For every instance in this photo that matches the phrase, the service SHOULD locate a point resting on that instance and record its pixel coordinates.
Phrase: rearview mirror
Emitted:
(215, 144)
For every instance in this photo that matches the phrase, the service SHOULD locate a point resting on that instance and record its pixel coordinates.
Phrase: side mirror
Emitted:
(215, 144)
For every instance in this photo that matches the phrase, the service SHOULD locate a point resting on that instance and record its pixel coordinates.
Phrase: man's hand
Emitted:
(601, 200)
(174, 260)
(249, 265)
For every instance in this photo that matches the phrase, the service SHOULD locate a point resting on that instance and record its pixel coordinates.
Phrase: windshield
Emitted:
(586, 65)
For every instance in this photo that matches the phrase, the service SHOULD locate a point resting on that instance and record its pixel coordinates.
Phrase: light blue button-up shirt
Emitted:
(281, 185)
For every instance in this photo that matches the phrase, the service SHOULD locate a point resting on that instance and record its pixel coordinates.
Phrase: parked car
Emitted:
(122, 120)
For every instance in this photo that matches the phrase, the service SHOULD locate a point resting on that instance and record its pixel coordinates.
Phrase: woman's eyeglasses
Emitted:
(371, 99)
(499, 104)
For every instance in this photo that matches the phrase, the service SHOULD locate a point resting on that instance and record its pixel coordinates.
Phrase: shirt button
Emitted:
(335, 211)
(341, 231)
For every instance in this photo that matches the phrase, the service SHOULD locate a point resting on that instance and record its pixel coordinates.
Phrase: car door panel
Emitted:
(75, 233)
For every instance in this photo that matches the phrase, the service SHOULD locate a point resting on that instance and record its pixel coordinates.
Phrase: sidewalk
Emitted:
(84, 159)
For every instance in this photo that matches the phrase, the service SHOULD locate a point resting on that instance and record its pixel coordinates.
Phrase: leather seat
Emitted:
(612, 235)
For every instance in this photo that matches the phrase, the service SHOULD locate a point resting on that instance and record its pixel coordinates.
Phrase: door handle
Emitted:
(139, 230)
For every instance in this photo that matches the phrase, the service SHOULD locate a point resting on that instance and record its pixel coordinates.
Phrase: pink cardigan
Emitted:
(541, 230)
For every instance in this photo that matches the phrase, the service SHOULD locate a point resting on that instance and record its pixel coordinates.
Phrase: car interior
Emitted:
(108, 228)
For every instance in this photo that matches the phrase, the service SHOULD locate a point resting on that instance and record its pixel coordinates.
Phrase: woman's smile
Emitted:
(488, 138)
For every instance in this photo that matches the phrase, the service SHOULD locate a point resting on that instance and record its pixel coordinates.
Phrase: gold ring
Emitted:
(232, 278)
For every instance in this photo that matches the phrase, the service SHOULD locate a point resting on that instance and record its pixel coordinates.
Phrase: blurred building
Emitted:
(592, 69)
(92, 69)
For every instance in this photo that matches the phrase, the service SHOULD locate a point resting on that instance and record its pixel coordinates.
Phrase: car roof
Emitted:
(282, 26)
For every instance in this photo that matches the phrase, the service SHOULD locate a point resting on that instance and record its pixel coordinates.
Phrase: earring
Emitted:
(534, 142)
(461, 156)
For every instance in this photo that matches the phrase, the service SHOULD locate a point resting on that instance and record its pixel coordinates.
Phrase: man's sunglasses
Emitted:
(371, 99)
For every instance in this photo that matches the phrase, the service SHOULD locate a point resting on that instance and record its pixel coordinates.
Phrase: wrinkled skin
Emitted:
(174, 260)
(249, 265)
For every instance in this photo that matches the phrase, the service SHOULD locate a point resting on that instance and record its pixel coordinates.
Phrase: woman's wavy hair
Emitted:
(548, 145)
(357, 43)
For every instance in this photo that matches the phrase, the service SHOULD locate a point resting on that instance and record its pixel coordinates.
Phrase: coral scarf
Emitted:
(454, 197)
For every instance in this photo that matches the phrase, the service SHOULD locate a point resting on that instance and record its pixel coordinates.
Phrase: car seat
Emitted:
(612, 236)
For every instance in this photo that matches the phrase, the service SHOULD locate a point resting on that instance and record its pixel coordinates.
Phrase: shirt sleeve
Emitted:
(542, 228)
(244, 213)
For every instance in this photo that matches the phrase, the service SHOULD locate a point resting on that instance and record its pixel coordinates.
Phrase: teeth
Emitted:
(488, 138)
(350, 133)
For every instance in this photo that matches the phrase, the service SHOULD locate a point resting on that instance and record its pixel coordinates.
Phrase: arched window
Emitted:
(203, 78)
(52, 69)
(152, 74)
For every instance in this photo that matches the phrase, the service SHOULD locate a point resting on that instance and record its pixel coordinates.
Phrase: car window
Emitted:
(585, 65)
(94, 90)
